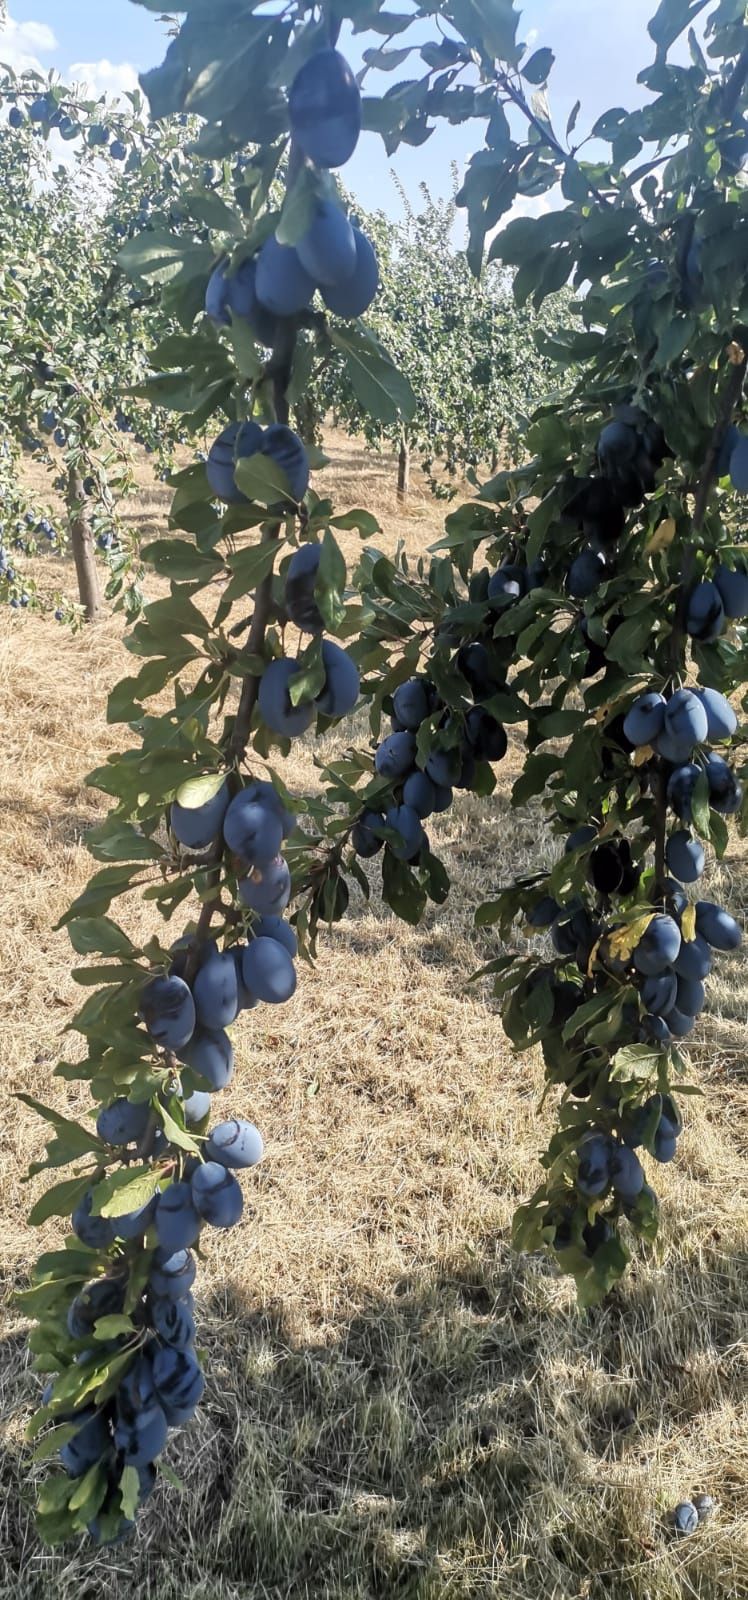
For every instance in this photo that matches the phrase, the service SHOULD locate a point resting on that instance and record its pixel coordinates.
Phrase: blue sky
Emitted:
(597, 59)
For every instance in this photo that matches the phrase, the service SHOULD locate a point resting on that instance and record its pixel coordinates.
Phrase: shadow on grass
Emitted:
(467, 1434)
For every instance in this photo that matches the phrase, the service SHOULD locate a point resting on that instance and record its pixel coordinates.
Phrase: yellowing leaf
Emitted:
(663, 536)
(643, 754)
(624, 941)
(688, 923)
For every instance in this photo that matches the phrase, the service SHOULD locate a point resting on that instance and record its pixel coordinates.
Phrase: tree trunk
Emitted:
(494, 460)
(403, 469)
(81, 539)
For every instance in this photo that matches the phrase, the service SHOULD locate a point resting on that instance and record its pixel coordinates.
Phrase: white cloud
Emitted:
(112, 78)
(532, 36)
(23, 43)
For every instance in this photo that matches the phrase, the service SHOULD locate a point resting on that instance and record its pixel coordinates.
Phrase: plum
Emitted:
(656, 1028)
(685, 1518)
(134, 1224)
(269, 972)
(626, 1173)
(659, 994)
(680, 790)
(396, 756)
(217, 1195)
(277, 928)
(485, 735)
(665, 1146)
(732, 585)
(103, 1297)
(96, 1232)
(721, 719)
(725, 793)
(685, 856)
(92, 1441)
(704, 1506)
(237, 442)
(324, 107)
(690, 997)
(407, 824)
(327, 250)
(281, 445)
(197, 826)
(210, 1055)
(196, 1107)
(274, 701)
(705, 613)
(215, 989)
(694, 959)
(739, 468)
(177, 1222)
(364, 840)
(281, 283)
(262, 792)
(342, 683)
(479, 670)
(235, 1144)
(123, 1122)
(716, 926)
(679, 1024)
(580, 837)
(419, 792)
(544, 913)
(411, 703)
(172, 1274)
(686, 718)
(268, 888)
(301, 578)
(168, 1011)
(658, 948)
(253, 827)
(179, 1383)
(142, 1437)
(646, 719)
(726, 448)
(593, 1172)
(174, 1322)
(216, 296)
(586, 573)
(352, 296)
(507, 583)
(444, 767)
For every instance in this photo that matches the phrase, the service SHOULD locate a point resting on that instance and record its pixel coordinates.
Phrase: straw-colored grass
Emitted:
(397, 1406)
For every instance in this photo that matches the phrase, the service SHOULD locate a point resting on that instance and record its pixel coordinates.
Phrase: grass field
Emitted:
(397, 1406)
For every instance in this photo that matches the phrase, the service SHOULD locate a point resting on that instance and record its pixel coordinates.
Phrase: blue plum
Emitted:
(96, 1232)
(593, 1171)
(720, 930)
(342, 683)
(237, 442)
(685, 856)
(407, 824)
(142, 1437)
(686, 719)
(216, 296)
(179, 1383)
(123, 1122)
(274, 700)
(282, 285)
(396, 756)
(210, 1056)
(215, 989)
(507, 583)
(739, 468)
(732, 585)
(168, 1011)
(269, 972)
(659, 994)
(444, 767)
(690, 997)
(217, 1195)
(485, 735)
(102, 1297)
(577, 840)
(721, 719)
(281, 445)
(364, 840)
(680, 790)
(685, 1518)
(658, 948)
(585, 574)
(679, 1024)
(411, 703)
(324, 106)
(253, 827)
(420, 793)
(174, 1322)
(544, 914)
(177, 1222)
(92, 1441)
(243, 302)
(301, 578)
(694, 959)
(656, 1028)
(135, 1223)
(352, 296)
(725, 793)
(626, 1172)
(235, 1144)
(197, 826)
(267, 889)
(277, 928)
(705, 614)
(327, 250)
(172, 1274)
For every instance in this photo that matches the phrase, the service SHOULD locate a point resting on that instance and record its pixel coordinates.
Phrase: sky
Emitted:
(108, 42)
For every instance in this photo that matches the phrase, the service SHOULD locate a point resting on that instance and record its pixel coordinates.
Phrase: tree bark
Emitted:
(403, 469)
(81, 539)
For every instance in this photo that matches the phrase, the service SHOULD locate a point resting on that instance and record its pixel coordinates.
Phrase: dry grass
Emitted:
(397, 1406)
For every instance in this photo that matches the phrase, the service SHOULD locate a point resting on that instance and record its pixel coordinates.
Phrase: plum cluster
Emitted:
(630, 450)
(424, 786)
(332, 254)
(164, 1382)
(677, 729)
(713, 602)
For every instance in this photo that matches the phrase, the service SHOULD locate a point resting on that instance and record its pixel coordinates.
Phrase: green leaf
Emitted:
(126, 1191)
(117, 840)
(59, 1201)
(109, 1327)
(101, 935)
(129, 1489)
(262, 480)
(537, 69)
(197, 791)
(177, 1135)
(401, 890)
(248, 568)
(379, 387)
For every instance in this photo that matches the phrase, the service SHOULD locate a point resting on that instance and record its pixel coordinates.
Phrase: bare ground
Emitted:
(397, 1406)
